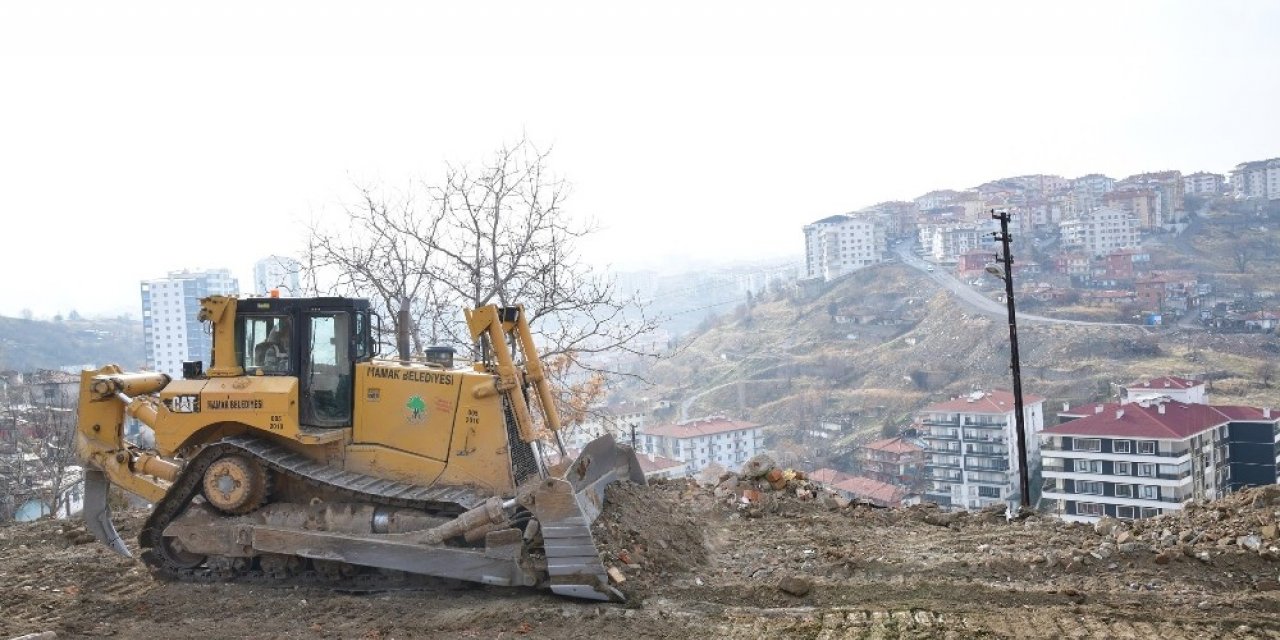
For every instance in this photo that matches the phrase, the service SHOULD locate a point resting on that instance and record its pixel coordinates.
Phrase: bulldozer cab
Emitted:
(317, 340)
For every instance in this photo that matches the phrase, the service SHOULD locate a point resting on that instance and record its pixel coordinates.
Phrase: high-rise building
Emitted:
(277, 272)
(971, 447)
(169, 308)
(1100, 231)
(839, 244)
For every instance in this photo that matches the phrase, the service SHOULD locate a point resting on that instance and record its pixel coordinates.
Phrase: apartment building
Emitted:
(1145, 458)
(892, 460)
(1168, 184)
(839, 244)
(277, 272)
(703, 442)
(1100, 231)
(618, 420)
(1088, 191)
(1258, 179)
(169, 317)
(1143, 204)
(1203, 183)
(971, 448)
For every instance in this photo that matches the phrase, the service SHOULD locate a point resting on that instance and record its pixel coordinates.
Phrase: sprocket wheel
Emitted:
(236, 485)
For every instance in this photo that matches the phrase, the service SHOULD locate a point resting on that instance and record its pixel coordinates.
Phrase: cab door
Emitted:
(327, 368)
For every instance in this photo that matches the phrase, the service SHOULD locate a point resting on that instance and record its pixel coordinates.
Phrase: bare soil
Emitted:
(701, 562)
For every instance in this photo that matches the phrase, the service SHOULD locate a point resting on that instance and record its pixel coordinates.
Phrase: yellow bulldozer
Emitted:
(300, 456)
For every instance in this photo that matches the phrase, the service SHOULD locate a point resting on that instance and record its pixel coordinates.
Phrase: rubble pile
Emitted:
(764, 487)
(1241, 526)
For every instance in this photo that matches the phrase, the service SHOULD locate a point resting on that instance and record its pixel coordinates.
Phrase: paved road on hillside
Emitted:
(976, 300)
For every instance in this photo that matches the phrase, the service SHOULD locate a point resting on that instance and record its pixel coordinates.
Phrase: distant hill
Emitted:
(27, 345)
(881, 343)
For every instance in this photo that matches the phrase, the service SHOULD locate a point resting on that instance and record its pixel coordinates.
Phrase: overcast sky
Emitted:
(135, 141)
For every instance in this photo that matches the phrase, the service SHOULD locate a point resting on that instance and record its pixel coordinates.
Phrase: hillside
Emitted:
(883, 342)
(27, 345)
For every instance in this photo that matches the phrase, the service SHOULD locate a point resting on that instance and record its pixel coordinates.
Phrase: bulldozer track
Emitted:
(351, 486)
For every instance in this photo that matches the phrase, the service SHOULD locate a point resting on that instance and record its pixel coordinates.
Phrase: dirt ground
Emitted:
(700, 562)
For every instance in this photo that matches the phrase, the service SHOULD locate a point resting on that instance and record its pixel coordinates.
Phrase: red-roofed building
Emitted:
(660, 467)
(1175, 388)
(702, 442)
(827, 477)
(1150, 455)
(892, 460)
(873, 491)
(971, 456)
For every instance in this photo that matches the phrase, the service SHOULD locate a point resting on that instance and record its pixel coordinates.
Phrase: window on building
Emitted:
(1147, 470)
(1123, 468)
(1150, 493)
(1088, 466)
(1087, 444)
(1089, 486)
(1147, 447)
(1126, 513)
(1150, 512)
(1120, 446)
(1124, 491)
(989, 492)
(1089, 509)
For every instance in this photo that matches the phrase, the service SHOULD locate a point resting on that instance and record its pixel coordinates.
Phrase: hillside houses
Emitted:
(1086, 232)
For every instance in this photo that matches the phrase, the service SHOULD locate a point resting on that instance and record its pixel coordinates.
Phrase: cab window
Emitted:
(264, 344)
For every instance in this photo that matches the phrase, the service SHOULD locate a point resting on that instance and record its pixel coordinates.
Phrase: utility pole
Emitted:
(1006, 258)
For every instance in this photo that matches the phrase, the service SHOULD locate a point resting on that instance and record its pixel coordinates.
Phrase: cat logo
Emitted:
(373, 394)
(184, 404)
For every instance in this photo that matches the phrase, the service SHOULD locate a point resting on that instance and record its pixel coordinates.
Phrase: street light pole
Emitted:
(1006, 257)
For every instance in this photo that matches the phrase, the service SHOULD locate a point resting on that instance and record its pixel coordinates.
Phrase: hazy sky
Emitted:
(142, 139)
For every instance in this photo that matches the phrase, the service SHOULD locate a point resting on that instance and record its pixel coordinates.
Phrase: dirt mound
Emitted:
(649, 533)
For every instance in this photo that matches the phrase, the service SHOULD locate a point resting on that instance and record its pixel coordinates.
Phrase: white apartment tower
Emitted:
(971, 449)
(277, 272)
(1258, 179)
(1101, 231)
(839, 244)
(169, 324)
(701, 443)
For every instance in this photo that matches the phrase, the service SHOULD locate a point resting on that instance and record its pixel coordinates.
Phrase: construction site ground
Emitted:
(700, 562)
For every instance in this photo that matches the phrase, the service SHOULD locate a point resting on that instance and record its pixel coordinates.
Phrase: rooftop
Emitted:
(651, 463)
(894, 445)
(1163, 419)
(996, 401)
(828, 476)
(872, 490)
(1165, 382)
(701, 427)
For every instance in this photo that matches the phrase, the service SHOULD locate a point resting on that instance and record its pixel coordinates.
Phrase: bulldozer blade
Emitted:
(567, 506)
(601, 463)
(97, 513)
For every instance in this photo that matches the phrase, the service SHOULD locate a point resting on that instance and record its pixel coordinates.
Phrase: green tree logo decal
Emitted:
(417, 409)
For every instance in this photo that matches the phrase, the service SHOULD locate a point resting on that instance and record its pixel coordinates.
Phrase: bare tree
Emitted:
(1244, 250)
(496, 233)
(37, 453)
(51, 447)
(1266, 372)
(507, 239)
(384, 253)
